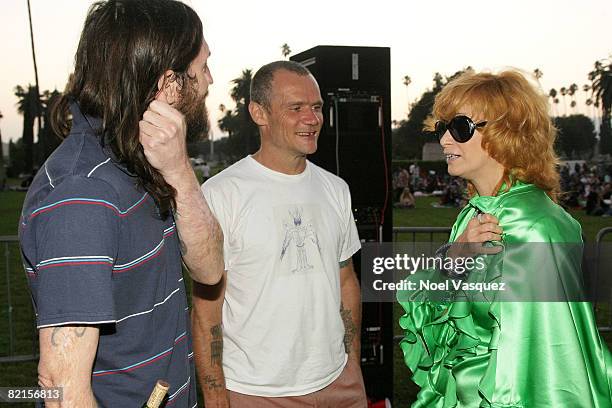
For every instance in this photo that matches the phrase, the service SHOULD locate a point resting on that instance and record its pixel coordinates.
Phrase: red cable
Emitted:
(384, 148)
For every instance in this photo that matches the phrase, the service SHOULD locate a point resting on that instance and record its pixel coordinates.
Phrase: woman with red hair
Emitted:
(538, 345)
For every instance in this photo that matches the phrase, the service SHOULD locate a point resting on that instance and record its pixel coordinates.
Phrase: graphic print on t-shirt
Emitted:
(301, 249)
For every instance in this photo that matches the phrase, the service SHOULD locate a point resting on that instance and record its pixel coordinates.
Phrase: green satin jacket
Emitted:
(511, 354)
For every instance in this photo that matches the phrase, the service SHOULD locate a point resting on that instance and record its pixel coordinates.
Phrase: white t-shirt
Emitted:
(284, 236)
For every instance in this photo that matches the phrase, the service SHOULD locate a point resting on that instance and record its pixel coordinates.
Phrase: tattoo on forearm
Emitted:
(216, 345)
(349, 327)
(55, 340)
(212, 383)
(345, 263)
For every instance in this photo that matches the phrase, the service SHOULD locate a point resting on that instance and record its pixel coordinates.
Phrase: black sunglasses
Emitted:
(460, 127)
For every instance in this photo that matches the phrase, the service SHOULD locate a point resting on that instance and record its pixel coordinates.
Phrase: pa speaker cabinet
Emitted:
(355, 141)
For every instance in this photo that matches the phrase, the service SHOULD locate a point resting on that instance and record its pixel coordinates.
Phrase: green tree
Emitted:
(242, 132)
(29, 106)
(48, 140)
(409, 137)
(576, 136)
(602, 94)
(16, 159)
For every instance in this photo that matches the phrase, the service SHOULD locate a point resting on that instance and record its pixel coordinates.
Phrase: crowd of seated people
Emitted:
(587, 187)
(413, 182)
(584, 186)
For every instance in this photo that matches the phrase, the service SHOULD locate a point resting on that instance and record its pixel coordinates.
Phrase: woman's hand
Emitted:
(480, 229)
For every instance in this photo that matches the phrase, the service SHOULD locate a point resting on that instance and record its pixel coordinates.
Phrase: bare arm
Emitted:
(350, 309)
(199, 232)
(208, 341)
(163, 138)
(66, 360)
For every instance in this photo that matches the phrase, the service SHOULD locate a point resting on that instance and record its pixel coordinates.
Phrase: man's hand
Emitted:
(163, 138)
(480, 229)
(163, 133)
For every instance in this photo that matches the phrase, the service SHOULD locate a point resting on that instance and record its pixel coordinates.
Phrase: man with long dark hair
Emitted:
(110, 213)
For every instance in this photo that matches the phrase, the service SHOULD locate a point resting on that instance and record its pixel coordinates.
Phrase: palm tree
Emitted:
(285, 50)
(538, 74)
(563, 92)
(586, 88)
(240, 90)
(407, 81)
(602, 84)
(572, 92)
(238, 122)
(29, 106)
(553, 96)
(37, 88)
(602, 92)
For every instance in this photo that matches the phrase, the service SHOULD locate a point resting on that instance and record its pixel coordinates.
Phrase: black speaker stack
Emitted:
(355, 144)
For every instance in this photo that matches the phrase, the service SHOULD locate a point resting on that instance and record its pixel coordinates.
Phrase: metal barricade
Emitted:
(412, 233)
(421, 230)
(600, 267)
(21, 336)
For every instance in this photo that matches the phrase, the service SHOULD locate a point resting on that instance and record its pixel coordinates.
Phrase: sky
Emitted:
(562, 38)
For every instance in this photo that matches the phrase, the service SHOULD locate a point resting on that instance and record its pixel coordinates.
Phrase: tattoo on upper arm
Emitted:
(345, 263)
(55, 332)
(80, 331)
(350, 329)
(216, 345)
(65, 332)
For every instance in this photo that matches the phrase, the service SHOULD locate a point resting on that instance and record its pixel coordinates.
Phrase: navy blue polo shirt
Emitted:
(96, 252)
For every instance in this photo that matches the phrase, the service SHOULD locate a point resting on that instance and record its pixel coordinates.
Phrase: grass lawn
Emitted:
(24, 374)
(15, 374)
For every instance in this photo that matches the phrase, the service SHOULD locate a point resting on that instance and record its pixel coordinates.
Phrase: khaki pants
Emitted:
(347, 391)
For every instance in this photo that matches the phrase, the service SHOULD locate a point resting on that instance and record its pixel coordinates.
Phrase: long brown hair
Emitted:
(125, 47)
